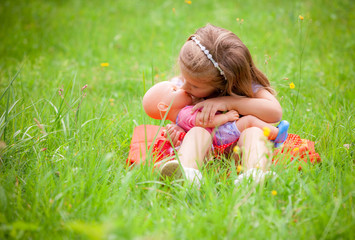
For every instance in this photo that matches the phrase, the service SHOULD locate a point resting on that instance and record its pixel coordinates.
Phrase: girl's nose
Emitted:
(185, 87)
(184, 91)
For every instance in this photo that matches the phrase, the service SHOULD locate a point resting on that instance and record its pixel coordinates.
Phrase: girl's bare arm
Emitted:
(263, 106)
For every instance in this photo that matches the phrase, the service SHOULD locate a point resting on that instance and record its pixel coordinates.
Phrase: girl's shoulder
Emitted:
(256, 87)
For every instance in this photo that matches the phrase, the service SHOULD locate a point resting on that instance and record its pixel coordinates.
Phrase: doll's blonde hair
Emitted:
(233, 58)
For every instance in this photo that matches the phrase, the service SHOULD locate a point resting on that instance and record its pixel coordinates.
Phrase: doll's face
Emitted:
(171, 94)
(165, 97)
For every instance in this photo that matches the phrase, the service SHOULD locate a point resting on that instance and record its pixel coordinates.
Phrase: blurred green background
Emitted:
(64, 174)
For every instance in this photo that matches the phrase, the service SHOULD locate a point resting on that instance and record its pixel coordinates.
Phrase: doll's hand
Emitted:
(232, 115)
(174, 133)
(209, 108)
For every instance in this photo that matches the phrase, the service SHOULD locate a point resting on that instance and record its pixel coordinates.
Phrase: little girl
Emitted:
(217, 67)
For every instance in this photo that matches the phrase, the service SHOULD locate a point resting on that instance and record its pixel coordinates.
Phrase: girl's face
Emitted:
(196, 87)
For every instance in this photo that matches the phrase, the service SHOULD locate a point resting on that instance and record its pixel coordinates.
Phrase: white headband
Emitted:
(209, 56)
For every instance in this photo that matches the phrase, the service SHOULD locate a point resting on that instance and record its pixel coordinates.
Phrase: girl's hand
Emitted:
(174, 133)
(209, 108)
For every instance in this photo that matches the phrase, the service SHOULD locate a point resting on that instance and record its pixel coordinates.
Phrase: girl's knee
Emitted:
(198, 134)
(251, 132)
(198, 130)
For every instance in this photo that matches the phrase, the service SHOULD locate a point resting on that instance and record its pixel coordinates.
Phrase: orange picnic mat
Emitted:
(148, 142)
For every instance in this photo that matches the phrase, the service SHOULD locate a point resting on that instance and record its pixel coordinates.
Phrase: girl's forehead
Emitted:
(196, 81)
(200, 78)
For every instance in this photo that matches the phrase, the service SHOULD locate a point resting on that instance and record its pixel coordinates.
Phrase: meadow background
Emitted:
(63, 147)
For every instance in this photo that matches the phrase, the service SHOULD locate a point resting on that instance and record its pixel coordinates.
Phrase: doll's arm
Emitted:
(218, 120)
(174, 132)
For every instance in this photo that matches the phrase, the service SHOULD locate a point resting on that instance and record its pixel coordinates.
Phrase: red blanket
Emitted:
(148, 142)
(297, 148)
(142, 143)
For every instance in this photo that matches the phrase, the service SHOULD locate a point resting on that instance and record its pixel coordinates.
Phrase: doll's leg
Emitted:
(252, 121)
(277, 134)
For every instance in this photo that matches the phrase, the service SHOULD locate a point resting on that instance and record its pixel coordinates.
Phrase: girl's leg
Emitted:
(254, 155)
(254, 151)
(194, 147)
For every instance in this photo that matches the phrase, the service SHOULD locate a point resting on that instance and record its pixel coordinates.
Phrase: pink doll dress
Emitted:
(224, 134)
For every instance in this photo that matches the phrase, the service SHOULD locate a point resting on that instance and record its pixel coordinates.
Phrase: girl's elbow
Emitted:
(277, 114)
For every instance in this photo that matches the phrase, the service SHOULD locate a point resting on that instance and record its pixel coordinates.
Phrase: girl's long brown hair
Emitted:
(232, 56)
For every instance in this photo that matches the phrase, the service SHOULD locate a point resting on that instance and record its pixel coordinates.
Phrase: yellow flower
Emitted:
(237, 19)
(239, 168)
(292, 85)
(236, 150)
(266, 131)
(300, 17)
(273, 193)
(105, 64)
(188, 2)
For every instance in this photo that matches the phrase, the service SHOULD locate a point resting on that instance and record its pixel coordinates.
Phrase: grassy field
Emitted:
(63, 147)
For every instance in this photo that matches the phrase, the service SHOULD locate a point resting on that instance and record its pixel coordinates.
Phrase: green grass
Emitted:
(66, 177)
